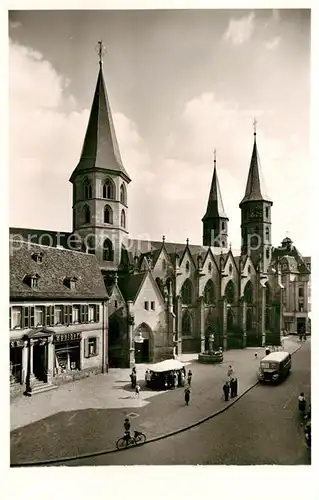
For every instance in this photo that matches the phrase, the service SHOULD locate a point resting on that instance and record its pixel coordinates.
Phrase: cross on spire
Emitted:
(255, 125)
(100, 49)
(215, 156)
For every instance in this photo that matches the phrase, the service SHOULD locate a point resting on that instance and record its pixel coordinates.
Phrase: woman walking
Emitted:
(187, 395)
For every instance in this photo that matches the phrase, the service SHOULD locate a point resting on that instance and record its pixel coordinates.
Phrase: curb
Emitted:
(151, 440)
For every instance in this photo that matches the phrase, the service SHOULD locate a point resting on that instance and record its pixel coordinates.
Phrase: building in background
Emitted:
(58, 317)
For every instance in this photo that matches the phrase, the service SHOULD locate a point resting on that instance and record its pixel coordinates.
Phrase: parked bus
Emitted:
(274, 367)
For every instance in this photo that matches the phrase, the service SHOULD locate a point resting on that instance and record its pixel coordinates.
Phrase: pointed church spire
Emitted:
(100, 148)
(255, 189)
(215, 206)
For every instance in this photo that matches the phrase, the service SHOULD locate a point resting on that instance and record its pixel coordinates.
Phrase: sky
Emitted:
(180, 84)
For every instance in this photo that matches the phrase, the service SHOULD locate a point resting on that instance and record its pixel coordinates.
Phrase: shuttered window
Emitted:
(97, 313)
(25, 321)
(91, 347)
(31, 318)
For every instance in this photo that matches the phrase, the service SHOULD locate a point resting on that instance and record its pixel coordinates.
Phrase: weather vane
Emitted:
(100, 49)
(255, 124)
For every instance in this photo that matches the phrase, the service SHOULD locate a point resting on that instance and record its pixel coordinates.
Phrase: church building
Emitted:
(166, 298)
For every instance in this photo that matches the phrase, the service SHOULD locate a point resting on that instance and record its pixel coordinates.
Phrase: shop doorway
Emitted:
(39, 361)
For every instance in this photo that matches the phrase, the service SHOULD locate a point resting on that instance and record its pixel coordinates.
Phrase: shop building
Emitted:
(58, 317)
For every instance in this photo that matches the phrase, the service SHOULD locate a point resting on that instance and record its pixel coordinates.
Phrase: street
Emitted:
(261, 428)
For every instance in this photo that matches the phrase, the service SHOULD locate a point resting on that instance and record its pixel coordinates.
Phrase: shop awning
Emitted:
(166, 366)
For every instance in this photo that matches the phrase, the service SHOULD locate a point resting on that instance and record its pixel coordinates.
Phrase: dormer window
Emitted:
(70, 282)
(32, 280)
(37, 257)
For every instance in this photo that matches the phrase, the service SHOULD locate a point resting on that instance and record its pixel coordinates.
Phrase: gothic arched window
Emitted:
(123, 194)
(122, 218)
(187, 292)
(187, 266)
(163, 264)
(209, 293)
(186, 323)
(108, 215)
(108, 190)
(107, 250)
(267, 233)
(209, 267)
(86, 214)
(230, 292)
(248, 293)
(87, 189)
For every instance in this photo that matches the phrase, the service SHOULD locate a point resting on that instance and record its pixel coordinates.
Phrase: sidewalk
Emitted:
(87, 416)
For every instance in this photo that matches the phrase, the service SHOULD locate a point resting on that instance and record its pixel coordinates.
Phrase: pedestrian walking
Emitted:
(302, 405)
(226, 390)
(231, 384)
(137, 390)
(305, 337)
(300, 337)
(235, 385)
(187, 395)
(134, 369)
(189, 377)
(133, 380)
(230, 372)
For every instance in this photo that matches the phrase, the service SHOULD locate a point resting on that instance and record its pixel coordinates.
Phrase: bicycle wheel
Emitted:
(121, 443)
(140, 438)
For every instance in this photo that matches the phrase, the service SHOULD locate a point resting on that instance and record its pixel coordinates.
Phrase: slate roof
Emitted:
(215, 205)
(45, 237)
(129, 285)
(255, 189)
(57, 264)
(292, 256)
(100, 148)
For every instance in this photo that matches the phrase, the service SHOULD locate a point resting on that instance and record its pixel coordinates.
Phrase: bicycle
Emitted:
(126, 441)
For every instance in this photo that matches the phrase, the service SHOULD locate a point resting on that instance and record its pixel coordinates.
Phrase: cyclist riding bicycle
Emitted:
(127, 428)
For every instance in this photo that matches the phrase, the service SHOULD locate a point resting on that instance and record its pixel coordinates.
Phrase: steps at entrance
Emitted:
(39, 386)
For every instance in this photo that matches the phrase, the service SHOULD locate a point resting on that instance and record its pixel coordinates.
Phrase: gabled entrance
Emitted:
(143, 343)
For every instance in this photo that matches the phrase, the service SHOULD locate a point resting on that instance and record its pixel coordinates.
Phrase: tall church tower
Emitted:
(100, 184)
(256, 215)
(215, 220)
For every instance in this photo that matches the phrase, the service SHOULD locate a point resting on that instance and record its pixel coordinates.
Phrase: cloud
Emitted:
(273, 43)
(240, 30)
(276, 15)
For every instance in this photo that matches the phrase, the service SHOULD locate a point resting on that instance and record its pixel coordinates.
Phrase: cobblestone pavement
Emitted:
(87, 416)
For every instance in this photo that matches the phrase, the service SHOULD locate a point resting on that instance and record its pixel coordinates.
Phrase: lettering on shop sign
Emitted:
(66, 337)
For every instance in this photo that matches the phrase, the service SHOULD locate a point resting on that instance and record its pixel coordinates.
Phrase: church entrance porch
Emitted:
(142, 352)
(142, 344)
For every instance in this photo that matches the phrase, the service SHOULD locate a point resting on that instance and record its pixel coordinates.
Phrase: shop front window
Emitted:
(67, 356)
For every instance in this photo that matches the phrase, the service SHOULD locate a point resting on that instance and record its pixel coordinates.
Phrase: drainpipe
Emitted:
(104, 339)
